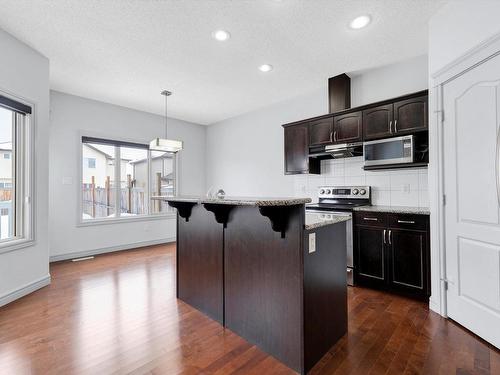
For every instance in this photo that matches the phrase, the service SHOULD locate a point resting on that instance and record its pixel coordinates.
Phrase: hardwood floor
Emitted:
(117, 314)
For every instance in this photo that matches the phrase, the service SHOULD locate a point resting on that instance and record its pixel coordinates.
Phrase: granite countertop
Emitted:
(317, 220)
(395, 209)
(238, 201)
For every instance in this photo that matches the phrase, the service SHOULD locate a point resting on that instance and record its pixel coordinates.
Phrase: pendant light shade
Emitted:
(165, 144)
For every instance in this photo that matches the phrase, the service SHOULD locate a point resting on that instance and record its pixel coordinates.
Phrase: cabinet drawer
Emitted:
(409, 221)
(372, 219)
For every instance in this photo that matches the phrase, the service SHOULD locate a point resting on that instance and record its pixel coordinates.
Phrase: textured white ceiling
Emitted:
(125, 52)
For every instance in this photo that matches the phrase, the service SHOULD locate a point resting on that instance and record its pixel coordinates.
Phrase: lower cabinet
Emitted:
(392, 253)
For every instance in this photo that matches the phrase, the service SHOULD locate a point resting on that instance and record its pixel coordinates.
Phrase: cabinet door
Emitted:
(408, 260)
(296, 149)
(347, 128)
(377, 122)
(411, 115)
(370, 255)
(320, 132)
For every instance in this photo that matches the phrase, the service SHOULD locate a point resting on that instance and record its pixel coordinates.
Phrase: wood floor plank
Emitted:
(118, 314)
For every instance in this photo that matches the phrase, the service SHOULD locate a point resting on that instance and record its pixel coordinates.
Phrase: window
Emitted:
(90, 163)
(121, 178)
(163, 179)
(15, 172)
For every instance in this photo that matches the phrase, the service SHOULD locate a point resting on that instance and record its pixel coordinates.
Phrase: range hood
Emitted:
(345, 150)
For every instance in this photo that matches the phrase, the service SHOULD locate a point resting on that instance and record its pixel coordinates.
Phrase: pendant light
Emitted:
(165, 144)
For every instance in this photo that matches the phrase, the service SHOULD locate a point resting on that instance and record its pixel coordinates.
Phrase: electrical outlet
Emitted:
(312, 242)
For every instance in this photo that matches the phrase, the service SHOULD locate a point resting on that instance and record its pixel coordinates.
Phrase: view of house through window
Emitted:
(127, 184)
(163, 179)
(7, 172)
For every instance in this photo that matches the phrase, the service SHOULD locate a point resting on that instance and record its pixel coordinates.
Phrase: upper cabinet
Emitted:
(398, 118)
(377, 122)
(297, 150)
(389, 118)
(411, 115)
(321, 131)
(348, 128)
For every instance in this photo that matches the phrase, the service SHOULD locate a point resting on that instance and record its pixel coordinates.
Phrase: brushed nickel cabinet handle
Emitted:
(390, 126)
(390, 237)
(385, 230)
(406, 222)
(331, 133)
(370, 218)
(395, 126)
(335, 136)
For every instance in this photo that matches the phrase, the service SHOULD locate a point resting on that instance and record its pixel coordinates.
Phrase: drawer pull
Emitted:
(406, 222)
(370, 218)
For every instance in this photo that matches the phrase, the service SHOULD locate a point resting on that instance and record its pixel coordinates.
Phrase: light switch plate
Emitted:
(67, 180)
(312, 242)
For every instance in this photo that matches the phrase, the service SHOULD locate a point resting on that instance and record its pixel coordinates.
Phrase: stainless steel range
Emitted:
(341, 200)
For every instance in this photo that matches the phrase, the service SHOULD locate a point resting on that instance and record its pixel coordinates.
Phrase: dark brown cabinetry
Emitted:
(411, 115)
(392, 252)
(297, 150)
(389, 118)
(371, 254)
(348, 128)
(398, 118)
(321, 132)
(377, 122)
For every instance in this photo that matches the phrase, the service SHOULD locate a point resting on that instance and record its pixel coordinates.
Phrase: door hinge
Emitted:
(441, 113)
(444, 200)
(445, 282)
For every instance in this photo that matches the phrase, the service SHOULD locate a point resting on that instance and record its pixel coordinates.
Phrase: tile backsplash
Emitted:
(396, 187)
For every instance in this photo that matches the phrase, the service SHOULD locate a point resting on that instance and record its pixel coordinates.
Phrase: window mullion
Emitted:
(148, 185)
(118, 182)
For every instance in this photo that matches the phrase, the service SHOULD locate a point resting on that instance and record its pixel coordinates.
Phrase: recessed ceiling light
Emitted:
(221, 35)
(265, 68)
(360, 22)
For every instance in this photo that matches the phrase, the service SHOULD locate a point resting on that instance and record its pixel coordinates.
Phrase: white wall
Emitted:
(71, 115)
(245, 153)
(389, 81)
(458, 27)
(25, 74)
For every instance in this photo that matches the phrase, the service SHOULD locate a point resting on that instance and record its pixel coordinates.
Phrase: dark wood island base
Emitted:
(246, 263)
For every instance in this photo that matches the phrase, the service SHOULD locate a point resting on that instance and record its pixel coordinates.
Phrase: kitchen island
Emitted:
(266, 271)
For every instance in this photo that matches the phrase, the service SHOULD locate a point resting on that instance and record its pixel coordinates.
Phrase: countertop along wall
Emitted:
(245, 153)
(70, 115)
(24, 73)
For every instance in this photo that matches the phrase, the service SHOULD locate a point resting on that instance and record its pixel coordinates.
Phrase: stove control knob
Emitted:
(362, 192)
(322, 191)
(355, 191)
(328, 191)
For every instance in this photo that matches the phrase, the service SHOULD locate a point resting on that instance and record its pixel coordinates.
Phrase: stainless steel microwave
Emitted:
(398, 150)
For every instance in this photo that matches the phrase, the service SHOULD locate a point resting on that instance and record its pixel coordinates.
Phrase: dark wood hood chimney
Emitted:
(339, 93)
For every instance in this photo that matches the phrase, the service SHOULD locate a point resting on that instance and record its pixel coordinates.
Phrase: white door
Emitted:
(471, 104)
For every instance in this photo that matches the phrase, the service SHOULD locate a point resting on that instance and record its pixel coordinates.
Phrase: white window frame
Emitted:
(119, 219)
(23, 156)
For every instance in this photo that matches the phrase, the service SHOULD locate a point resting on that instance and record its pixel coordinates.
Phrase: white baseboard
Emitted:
(26, 289)
(434, 306)
(110, 249)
